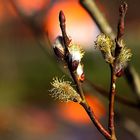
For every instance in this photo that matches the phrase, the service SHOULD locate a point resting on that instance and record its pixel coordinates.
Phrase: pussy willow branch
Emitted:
(131, 75)
(66, 43)
(122, 12)
(95, 121)
(85, 105)
(87, 108)
(102, 23)
(42, 44)
(118, 48)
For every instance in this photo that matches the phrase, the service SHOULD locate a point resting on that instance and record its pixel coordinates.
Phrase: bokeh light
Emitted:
(80, 26)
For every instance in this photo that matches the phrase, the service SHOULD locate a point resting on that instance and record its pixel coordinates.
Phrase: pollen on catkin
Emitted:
(106, 45)
(63, 91)
(122, 59)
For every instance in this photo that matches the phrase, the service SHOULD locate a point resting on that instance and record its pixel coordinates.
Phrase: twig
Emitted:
(118, 49)
(96, 87)
(130, 72)
(66, 43)
(85, 105)
(120, 33)
(122, 12)
(79, 88)
(36, 29)
(111, 104)
(131, 75)
(95, 121)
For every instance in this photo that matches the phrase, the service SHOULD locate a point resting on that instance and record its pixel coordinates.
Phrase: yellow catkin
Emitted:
(63, 91)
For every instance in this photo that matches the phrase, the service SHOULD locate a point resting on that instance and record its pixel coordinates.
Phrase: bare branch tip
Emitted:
(62, 18)
(123, 8)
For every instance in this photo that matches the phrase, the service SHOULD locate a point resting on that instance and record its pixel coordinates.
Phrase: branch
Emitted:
(111, 103)
(85, 105)
(122, 12)
(131, 75)
(38, 29)
(67, 41)
(95, 121)
(30, 22)
(121, 26)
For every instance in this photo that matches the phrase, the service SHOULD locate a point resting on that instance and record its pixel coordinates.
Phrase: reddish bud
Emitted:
(120, 73)
(62, 18)
(74, 65)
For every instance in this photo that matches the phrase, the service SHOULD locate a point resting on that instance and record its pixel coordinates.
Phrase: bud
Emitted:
(59, 48)
(63, 91)
(75, 55)
(76, 52)
(120, 73)
(74, 65)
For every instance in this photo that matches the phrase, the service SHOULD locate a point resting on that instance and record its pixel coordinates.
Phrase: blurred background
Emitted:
(28, 65)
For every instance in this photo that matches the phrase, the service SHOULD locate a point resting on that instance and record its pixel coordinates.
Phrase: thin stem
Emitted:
(95, 121)
(111, 104)
(90, 113)
(91, 7)
(67, 41)
(130, 73)
(122, 12)
(78, 85)
(121, 26)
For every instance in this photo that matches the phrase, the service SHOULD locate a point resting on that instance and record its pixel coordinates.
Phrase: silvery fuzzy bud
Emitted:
(59, 48)
(76, 52)
(75, 55)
